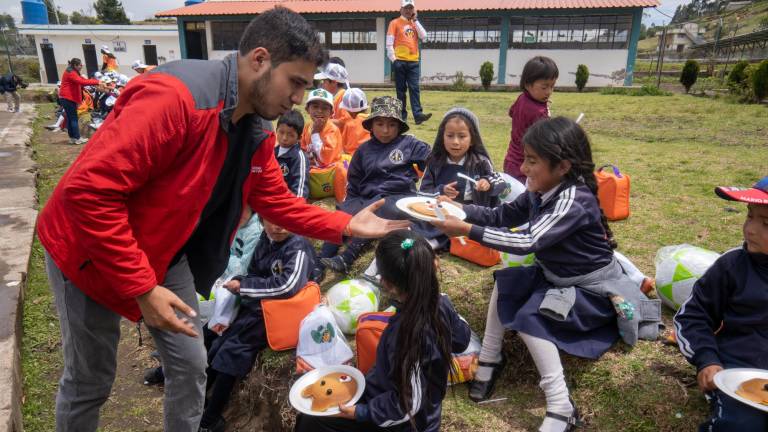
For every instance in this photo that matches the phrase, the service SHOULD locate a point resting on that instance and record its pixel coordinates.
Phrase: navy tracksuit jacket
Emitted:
(295, 167)
(440, 173)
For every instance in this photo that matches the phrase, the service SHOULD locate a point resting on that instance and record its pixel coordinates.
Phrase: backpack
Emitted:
(282, 317)
(613, 192)
(473, 251)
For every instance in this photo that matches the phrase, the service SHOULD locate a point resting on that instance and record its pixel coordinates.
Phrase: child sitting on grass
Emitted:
(353, 134)
(292, 159)
(576, 298)
(404, 390)
(724, 323)
(380, 168)
(279, 268)
(321, 139)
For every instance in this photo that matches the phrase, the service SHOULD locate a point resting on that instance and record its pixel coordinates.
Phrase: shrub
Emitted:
(689, 74)
(759, 81)
(737, 78)
(582, 76)
(459, 84)
(486, 74)
(646, 90)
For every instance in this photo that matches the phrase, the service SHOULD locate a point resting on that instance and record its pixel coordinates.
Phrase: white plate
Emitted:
(729, 380)
(304, 405)
(448, 209)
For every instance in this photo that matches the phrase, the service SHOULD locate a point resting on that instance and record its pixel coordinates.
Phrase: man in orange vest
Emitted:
(403, 51)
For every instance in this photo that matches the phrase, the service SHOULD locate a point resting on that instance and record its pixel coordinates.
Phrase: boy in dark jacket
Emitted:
(293, 161)
(723, 323)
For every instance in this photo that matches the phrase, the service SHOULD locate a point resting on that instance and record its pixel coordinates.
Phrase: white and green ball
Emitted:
(511, 260)
(349, 299)
(677, 270)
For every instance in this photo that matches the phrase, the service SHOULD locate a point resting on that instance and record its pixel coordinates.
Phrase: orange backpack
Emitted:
(613, 192)
(370, 326)
(474, 252)
(282, 317)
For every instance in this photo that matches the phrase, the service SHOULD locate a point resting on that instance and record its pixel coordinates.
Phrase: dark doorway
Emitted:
(49, 60)
(197, 47)
(91, 62)
(150, 55)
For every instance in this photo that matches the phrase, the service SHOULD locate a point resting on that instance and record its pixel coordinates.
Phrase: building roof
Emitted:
(97, 29)
(254, 7)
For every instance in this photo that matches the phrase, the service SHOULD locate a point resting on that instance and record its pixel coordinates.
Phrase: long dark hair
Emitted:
(538, 68)
(407, 261)
(561, 139)
(73, 63)
(476, 152)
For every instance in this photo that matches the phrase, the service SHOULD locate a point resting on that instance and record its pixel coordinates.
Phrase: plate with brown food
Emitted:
(428, 208)
(320, 391)
(749, 386)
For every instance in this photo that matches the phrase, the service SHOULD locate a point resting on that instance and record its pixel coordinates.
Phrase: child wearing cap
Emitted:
(108, 60)
(321, 139)
(279, 269)
(383, 167)
(334, 79)
(293, 161)
(353, 134)
(723, 323)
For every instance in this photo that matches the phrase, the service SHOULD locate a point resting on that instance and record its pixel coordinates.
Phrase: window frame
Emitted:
(570, 32)
(221, 38)
(359, 34)
(462, 32)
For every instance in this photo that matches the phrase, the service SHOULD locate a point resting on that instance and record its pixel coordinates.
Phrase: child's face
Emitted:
(756, 228)
(319, 110)
(385, 129)
(541, 89)
(286, 136)
(542, 176)
(275, 233)
(330, 86)
(456, 138)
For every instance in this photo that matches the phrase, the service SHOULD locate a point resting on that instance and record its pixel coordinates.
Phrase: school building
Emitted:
(462, 35)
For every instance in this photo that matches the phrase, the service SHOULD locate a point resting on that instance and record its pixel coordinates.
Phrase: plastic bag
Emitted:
(321, 342)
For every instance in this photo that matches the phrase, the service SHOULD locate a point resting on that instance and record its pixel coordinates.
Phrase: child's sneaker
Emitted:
(154, 376)
(336, 264)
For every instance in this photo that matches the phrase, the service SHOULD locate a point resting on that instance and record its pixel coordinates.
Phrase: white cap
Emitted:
(138, 64)
(334, 72)
(354, 100)
(321, 342)
(405, 3)
(105, 50)
(320, 95)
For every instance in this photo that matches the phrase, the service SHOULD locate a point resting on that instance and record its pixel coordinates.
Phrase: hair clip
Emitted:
(407, 244)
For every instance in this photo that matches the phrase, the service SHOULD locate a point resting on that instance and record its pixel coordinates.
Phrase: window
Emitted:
(226, 34)
(453, 33)
(347, 34)
(570, 32)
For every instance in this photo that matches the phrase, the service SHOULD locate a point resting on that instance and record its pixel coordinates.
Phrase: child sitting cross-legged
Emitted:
(279, 268)
(321, 139)
(383, 167)
(404, 390)
(293, 161)
(724, 323)
(576, 298)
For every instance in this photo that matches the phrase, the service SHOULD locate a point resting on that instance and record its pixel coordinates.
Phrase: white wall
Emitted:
(601, 63)
(439, 66)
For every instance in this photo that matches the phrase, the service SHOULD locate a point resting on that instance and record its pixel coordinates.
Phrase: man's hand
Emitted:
(450, 190)
(233, 286)
(365, 224)
(453, 226)
(346, 412)
(158, 307)
(706, 377)
(483, 185)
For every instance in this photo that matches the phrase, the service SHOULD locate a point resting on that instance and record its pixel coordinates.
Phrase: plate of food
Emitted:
(320, 391)
(749, 386)
(428, 208)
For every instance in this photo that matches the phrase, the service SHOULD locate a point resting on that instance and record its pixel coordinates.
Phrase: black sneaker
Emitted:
(422, 118)
(336, 264)
(482, 390)
(318, 273)
(154, 376)
(219, 426)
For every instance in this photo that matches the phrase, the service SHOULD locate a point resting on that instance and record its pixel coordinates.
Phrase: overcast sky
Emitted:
(140, 9)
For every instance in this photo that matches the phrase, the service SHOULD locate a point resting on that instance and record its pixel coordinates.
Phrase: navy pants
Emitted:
(407, 74)
(730, 415)
(70, 109)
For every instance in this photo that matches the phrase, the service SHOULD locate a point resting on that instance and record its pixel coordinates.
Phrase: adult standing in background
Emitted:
(9, 84)
(403, 51)
(71, 96)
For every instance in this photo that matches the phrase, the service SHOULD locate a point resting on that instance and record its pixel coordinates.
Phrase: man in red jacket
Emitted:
(146, 213)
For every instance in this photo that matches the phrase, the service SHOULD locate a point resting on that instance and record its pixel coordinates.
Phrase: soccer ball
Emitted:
(513, 190)
(510, 260)
(677, 269)
(349, 299)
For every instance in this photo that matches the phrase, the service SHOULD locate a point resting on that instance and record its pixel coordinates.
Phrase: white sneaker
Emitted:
(73, 141)
(81, 141)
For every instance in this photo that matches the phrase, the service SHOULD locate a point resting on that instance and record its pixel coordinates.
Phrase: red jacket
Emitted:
(72, 85)
(133, 197)
(524, 112)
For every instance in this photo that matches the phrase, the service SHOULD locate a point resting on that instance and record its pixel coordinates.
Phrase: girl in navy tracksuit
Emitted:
(566, 301)
(382, 167)
(280, 267)
(459, 149)
(724, 323)
(405, 388)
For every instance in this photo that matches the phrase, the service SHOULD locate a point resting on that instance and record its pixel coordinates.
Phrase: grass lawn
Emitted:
(676, 149)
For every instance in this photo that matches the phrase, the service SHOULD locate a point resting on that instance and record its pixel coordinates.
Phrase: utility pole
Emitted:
(712, 63)
(662, 51)
(7, 49)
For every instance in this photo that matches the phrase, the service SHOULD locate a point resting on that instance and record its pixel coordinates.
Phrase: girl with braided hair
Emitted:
(577, 297)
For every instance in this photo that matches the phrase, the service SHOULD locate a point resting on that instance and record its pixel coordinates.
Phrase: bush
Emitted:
(582, 76)
(760, 81)
(737, 78)
(486, 74)
(689, 74)
(459, 84)
(646, 90)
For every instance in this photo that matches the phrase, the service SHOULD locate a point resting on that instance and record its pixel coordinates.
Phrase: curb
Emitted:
(18, 211)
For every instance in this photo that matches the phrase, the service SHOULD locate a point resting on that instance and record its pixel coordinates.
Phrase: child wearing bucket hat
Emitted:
(353, 134)
(322, 140)
(722, 324)
(382, 167)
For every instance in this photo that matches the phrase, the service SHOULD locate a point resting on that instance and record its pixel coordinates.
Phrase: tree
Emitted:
(737, 79)
(53, 11)
(689, 74)
(111, 12)
(7, 21)
(582, 75)
(80, 17)
(643, 31)
(486, 74)
(760, 81)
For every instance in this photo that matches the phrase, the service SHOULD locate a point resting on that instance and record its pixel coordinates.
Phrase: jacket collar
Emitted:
(229, 91)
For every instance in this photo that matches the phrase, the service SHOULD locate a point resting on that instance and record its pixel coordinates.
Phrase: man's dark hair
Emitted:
(286, 35)
(292, 119)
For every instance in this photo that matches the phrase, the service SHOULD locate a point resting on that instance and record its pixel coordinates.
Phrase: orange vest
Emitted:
(111, 63)
(332, 144)
(87, 104)
(406, 39)
(354, 133)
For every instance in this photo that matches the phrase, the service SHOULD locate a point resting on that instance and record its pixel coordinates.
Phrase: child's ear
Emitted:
(564, 167)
